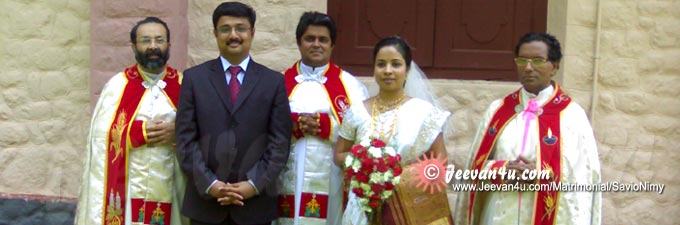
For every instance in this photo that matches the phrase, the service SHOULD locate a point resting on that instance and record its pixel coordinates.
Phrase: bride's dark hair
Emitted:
(398, 43)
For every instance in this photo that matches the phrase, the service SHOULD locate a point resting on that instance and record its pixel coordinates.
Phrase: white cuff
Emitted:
(207, 191)
(257, 192)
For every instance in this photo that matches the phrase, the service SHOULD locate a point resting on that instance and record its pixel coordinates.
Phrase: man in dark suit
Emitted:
(233, 129)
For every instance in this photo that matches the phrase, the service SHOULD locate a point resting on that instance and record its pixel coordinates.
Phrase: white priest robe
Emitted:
(153, 176)
(579, 165)
(310, 167)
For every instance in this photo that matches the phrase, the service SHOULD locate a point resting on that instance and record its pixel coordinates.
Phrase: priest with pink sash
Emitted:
(538, 127)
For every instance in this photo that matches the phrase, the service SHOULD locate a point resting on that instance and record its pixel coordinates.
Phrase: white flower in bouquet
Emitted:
(348, 161)
(365, 142)
(354, 183)
(356, 165)
(387, 176)
(375, 152)
(364, 204)
(376, 177)
(390, 151)
(366, 187)
(386, 194)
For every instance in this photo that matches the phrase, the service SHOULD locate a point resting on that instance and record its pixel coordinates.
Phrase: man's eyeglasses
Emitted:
(148, 41)
(521, 61)
(238, 29)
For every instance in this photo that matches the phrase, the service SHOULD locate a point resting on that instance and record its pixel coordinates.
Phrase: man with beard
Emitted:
(131, 174)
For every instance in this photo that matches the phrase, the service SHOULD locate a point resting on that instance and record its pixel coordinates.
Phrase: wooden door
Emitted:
(456, 39)
(475, 39)
(361, 24)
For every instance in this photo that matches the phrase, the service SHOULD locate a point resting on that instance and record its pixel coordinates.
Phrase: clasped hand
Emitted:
(520, 166)
(309, 123)
(228, 193)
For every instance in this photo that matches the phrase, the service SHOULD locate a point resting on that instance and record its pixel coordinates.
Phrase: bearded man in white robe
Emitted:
(131, 174)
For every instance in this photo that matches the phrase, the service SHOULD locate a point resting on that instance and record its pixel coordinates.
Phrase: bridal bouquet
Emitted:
(373, 170)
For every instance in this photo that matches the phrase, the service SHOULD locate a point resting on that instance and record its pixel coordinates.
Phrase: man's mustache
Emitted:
(234, 41)
(156, 52)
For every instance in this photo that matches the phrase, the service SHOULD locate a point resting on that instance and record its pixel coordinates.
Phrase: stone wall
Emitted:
(44, 95)
(274, 42)
(111, 46)
(636, 117)
(45, 58)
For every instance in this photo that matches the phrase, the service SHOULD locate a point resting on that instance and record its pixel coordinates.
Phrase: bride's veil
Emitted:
(418, 86)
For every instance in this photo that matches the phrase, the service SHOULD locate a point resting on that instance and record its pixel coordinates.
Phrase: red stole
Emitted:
(335, 89)
(549, 152)
(119, 139)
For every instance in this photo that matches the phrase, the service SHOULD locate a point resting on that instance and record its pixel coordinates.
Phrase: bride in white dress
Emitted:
(404, 114)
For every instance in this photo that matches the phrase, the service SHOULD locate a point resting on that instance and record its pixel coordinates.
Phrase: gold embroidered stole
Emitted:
(118, 140)
(549, 152)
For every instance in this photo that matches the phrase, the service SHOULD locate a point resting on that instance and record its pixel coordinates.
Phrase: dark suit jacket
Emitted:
(232, 142)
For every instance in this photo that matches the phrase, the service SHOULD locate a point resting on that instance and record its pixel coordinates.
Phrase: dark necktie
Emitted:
(234, 86)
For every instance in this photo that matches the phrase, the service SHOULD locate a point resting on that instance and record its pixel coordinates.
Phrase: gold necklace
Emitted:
(380, 108)
(384, 106)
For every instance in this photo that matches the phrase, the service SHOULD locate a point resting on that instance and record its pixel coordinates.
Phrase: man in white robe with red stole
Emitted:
(319, 93)
(538, 127)
(131, 175)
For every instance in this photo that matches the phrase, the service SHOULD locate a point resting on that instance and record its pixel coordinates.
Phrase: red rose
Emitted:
(362, 177)
(389, 186)
(362, 153)
(349, 173)
(359, 151)
(367, 164)
(374, 204)
(355, 149)
(381, 166)
(397, 170)
(359, 192)
(375, 197)
(377, 188)
(392, 160)
(377, 143)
